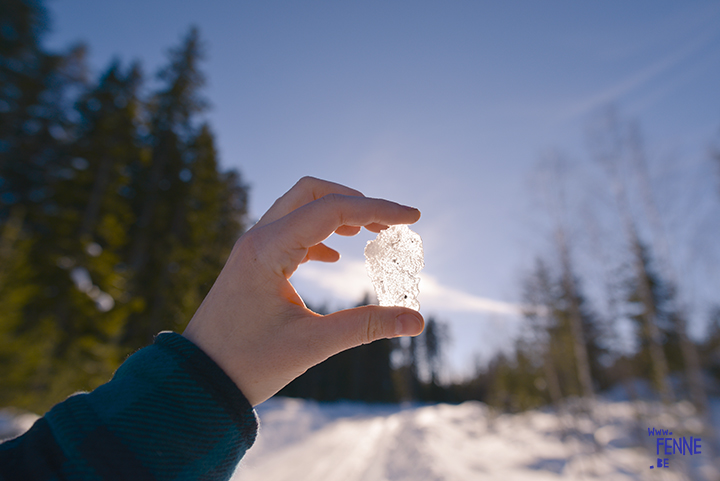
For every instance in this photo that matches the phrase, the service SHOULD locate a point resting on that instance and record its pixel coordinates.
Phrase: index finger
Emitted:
(316, 221)
(303, 192)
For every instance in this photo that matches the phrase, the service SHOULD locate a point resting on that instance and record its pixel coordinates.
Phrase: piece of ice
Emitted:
(393, 261)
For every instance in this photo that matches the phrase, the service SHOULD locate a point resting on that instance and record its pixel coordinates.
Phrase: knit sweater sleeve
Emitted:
(169, 412)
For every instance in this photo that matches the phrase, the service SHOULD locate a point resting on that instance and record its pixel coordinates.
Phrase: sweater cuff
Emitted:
(210, 376)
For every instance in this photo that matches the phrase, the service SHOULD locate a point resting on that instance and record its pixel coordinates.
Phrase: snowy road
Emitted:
(301, 440)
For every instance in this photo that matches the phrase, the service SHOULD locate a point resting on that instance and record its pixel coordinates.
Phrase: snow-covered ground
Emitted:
(303, 440)
(308, 441)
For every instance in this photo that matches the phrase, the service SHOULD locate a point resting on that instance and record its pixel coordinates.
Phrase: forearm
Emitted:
(169, 412)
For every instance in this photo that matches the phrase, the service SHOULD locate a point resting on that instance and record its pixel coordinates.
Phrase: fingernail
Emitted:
(407, 325)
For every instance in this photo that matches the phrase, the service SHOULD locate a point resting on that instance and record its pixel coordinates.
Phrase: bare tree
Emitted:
(607, 148)
(554, 192)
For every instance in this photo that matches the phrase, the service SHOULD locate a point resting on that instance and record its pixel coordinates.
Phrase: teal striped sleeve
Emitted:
(169, 412)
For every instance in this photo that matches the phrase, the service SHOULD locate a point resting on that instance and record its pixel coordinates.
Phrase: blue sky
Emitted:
(446, 106)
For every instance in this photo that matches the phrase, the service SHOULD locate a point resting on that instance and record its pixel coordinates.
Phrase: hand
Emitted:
(256, 327)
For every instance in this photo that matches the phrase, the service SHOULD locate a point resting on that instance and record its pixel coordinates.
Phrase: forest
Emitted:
(116, 216)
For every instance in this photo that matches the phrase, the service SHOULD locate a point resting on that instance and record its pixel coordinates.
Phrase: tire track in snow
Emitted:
(351, 449)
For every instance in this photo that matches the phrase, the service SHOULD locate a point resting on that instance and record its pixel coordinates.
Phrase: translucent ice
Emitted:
(393, 261)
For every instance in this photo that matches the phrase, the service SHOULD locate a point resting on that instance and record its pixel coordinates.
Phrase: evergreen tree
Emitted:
(405, 369)
(579, 325)
(34, 124)
(539, 297)
(514, 385)
(188, 214)
(552, 309)
(35, 137)
(650, 296)
(434, 338)
(710, 349)
(363, 373)
(86, 305)
(91, 186)
(430, 348)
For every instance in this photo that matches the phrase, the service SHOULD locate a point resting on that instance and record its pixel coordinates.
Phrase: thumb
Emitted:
(363, 325)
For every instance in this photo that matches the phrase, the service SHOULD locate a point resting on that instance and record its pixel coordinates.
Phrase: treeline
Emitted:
(388, 370)
(570, 347)
(627, 331)
(115, 217)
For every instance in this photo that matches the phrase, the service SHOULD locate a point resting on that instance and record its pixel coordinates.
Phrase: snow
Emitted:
(349, 441)
(304, 440)
(14, 422)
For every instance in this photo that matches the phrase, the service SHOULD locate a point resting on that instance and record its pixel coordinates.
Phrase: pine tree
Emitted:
(514, 380)
(34, 123)
(578, 327)
(651, 297)
(363, 373)
(539, 297)
(552, 307)
(35, 138)
(188, 213)
(77, 175)
(710, 349)
(430, 349)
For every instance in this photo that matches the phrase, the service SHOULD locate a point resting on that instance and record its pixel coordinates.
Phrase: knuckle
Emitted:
(374, 331)
(332, 206)
(332, 198)
(306, 182)
(249, 245)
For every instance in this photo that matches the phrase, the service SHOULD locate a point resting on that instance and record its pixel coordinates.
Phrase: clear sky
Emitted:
(446, 106)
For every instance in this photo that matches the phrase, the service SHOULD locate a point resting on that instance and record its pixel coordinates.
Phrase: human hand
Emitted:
(253, 323)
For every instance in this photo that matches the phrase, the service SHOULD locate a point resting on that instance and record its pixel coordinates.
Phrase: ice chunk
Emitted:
(393, 261)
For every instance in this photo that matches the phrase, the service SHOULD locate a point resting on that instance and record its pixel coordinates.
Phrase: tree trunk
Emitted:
(657, 355)
(92, 209)
(139, 254)
(579, 343)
